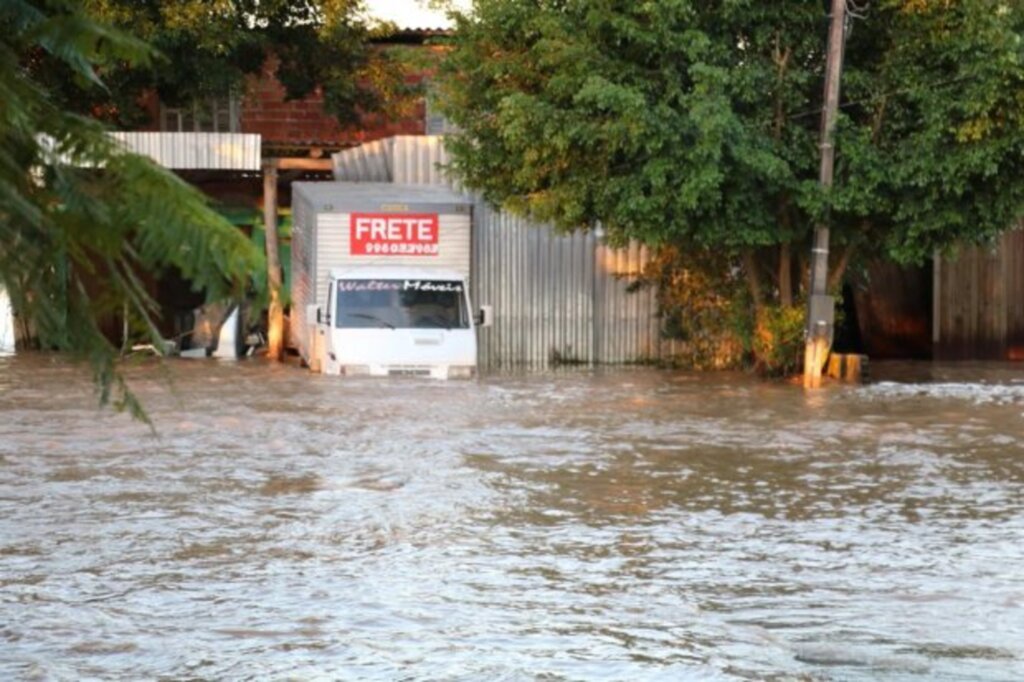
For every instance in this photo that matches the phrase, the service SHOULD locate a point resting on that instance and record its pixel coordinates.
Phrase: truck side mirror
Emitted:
(484, 317)
(313, 314)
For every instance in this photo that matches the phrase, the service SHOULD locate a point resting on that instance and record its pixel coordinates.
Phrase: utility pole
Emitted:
(820, 306)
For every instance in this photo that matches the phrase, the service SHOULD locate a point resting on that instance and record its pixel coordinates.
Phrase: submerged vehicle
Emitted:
(381, 280)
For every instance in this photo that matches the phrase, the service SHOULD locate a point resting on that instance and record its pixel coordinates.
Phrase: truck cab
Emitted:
(396, 321)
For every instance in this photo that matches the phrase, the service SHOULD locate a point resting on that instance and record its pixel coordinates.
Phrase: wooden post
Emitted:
(275, 332)
(937, 307)
(848, 367)
(820, 307)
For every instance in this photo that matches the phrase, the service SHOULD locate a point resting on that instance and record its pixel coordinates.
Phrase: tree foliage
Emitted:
(695, 124)
(79, 217)
(206, 48)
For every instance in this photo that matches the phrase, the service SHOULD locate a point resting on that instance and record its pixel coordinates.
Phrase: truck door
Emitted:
(330, 356)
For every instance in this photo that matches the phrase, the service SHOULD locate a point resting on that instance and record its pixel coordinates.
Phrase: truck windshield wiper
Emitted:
(364, 316)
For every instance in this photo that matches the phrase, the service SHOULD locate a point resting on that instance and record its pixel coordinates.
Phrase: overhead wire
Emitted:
(889, 93)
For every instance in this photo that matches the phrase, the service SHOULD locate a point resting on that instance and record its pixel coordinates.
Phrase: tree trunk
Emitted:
(835, 278)
(753, 281)
(785, 275)
(803, 271)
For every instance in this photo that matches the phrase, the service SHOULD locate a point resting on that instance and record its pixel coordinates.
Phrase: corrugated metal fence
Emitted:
(557, 298)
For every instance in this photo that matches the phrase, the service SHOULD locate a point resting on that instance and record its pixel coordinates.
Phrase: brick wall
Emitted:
(303, 122)
(151, 104)
(300, 123)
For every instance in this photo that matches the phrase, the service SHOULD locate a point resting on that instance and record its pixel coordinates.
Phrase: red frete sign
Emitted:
(390, 234)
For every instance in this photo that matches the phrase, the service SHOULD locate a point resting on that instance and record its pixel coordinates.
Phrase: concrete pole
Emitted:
(275, 332)
(820, 306)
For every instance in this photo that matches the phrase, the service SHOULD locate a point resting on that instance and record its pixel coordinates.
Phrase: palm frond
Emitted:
(80, 217)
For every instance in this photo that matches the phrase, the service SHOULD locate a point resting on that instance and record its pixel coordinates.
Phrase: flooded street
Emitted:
(620, 524)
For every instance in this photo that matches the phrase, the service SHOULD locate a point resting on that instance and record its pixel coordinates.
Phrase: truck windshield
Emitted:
(401, 304)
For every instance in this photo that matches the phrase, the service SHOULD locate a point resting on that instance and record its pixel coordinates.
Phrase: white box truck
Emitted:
(380, 280)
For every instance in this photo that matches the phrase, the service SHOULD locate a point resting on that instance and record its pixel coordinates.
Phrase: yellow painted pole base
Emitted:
(815, 355)
(275, 327)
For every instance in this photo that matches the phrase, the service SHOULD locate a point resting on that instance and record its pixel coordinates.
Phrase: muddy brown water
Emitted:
(586, 525)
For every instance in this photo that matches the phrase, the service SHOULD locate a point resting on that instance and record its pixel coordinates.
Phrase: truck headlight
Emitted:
(355, 370)
(461, 371)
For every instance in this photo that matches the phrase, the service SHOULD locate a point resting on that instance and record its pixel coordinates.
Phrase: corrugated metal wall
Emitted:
(416, 160)
(628, 329)
(557, 298)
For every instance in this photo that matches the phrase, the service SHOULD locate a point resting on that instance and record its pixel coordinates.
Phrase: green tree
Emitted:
(695, 125)
(79, 217)
(205, 49)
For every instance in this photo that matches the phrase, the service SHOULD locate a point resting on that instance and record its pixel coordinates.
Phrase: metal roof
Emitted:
(432, 30)
(196, 151)
(404, 159)
(369, 162)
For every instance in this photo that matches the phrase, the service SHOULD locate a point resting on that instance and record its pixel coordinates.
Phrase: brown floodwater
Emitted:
(616, 524)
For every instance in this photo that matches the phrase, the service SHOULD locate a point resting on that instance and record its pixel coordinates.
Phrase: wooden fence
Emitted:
(979, 302)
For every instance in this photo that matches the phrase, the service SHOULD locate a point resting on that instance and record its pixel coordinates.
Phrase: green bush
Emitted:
(709, 319)
(778, 340)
